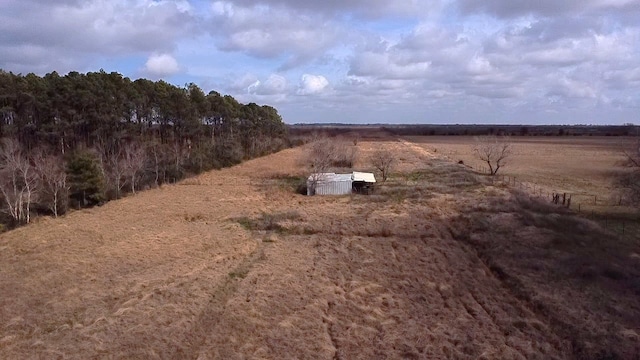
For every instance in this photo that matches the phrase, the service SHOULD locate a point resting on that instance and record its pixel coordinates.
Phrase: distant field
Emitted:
(583, 166)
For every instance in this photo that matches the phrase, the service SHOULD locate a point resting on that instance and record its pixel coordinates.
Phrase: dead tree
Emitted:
(493, 150)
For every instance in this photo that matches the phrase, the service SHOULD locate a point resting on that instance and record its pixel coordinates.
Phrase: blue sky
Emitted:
(354, 61)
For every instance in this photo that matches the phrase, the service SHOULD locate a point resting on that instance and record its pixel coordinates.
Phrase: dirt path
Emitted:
(169, 274)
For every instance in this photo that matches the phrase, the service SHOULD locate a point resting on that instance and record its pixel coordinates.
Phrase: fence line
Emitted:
(619, 224)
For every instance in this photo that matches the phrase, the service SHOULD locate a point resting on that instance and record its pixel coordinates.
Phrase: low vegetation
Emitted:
(268, 222)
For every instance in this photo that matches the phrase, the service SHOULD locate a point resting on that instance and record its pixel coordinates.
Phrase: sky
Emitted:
(354, 61)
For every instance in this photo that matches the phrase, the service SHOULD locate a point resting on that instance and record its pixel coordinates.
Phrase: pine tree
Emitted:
(86, 182)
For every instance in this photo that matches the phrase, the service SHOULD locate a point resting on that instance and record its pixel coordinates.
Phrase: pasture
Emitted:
(584, 167)
(439, 263)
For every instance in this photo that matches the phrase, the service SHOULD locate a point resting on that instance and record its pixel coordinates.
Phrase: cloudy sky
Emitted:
(354, 61)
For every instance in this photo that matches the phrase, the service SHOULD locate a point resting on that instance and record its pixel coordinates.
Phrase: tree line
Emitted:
(81, 139)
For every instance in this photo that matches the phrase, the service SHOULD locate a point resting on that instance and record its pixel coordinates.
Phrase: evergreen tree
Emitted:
(86, 183)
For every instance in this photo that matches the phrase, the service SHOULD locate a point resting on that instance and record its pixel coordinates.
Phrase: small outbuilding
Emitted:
(363, 182)
(340, 184)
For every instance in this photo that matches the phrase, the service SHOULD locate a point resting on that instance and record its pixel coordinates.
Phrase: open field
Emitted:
(584, 167)
(575, 165)
(232, 264)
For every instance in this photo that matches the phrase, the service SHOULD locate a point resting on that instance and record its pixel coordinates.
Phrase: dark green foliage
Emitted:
(85, 110)
(86, 182)
(182, 130)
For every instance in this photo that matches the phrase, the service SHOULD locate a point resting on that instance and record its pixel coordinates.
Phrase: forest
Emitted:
(79, 140)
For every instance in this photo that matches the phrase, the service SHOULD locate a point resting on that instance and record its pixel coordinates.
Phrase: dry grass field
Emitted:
(577, 165)
(233, 264)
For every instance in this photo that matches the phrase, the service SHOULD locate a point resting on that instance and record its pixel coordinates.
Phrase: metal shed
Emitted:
(364, 177)
(329, 184)
(340, 184)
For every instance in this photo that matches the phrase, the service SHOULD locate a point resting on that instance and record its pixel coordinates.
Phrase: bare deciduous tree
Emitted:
(383, 160)
(628, 180)
(18, 181)
(52, 179)
(318, 158)
(324, 154)
(112, 166)
(134, 161)
(494, 150)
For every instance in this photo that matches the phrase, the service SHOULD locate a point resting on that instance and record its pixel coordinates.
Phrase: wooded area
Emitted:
(81, 139)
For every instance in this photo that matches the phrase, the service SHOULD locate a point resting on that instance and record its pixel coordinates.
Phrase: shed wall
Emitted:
(331, 187)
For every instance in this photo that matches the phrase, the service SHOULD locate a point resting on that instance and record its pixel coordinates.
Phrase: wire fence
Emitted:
(612, 211)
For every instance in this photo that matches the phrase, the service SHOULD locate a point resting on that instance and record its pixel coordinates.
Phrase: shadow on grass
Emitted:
(583, 279)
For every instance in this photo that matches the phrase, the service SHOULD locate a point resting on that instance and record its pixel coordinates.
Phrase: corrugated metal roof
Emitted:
(363, 176)
(329, 177)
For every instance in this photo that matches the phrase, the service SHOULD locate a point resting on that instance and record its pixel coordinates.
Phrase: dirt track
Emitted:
(170, 273)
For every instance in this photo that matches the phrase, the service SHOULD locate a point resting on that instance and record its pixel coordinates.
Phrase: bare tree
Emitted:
(52, 180)
(324, 154)
(493, 150)
(628, 179)
(318, 158)
(112, 166)
(18, 181)
(157, 156)
(383, 160)
(134, 161)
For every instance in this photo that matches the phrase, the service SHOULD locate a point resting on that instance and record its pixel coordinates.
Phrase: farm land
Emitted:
(441, 262)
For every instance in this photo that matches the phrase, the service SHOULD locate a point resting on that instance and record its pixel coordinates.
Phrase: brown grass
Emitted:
(558, 164)
(439, 263)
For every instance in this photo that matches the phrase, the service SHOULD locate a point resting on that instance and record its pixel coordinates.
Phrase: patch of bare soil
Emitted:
(234, 264)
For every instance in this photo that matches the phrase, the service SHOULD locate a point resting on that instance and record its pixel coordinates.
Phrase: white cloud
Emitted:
(275, 84)
(161, 65)
(272, 32)
(358, 8)
(73, 34)
(312, 84)
(445, 58)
